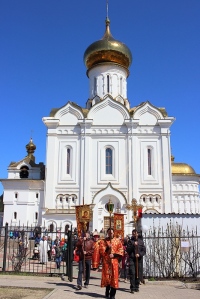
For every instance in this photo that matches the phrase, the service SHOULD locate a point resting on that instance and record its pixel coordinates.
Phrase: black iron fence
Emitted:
(173, 252)
(21, 250)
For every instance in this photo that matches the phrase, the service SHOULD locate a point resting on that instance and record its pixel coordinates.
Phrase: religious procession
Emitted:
(117, 255)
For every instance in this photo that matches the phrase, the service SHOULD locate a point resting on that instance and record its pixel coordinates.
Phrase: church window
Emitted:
(37, 195)
(121, 87)
(95, 86)
(68, 160)
(144, 199)
(51, 228)
(109, 154)
(67, 199)
(149, 153)
(15, 215)
(156, 199)
(16, 195)
(150, 199)
(60, 198)
(73, 199)
(36, 215)
(24, 172)
(108, 84)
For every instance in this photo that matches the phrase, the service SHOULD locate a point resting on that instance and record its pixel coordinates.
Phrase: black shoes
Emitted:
(78, 287)
(136, 290)
(86, 286)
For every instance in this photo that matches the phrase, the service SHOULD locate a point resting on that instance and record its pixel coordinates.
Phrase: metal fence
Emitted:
(19, 251)
(172, 252)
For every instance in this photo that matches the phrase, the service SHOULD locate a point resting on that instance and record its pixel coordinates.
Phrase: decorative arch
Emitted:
(109, 189)
(120, 112)
(151, 211)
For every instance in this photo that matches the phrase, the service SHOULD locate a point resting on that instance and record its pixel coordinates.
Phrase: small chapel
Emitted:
(107, 150)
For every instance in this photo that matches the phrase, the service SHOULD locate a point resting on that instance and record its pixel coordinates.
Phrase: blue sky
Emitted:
(41, 65)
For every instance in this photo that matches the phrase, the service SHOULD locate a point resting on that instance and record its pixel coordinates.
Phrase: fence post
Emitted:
(70, 256)
(5, 247)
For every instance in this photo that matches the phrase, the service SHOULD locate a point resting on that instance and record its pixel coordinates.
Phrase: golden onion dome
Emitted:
(181, 168)
(107, 49)
(30, 147)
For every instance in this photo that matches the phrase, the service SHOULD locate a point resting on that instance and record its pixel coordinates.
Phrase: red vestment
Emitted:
(110, 266)
(96, 255)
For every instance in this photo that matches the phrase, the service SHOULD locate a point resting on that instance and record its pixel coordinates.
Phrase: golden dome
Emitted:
(182, 169)
(30, 147)
(107, 50)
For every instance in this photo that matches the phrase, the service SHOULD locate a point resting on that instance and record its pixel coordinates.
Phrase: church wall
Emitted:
(186, 196)
(51, 169)
(99, 177)
(98, 81)
(23, 198)
(151, 172)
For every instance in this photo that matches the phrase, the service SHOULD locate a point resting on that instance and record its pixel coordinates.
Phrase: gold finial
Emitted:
(30, 147)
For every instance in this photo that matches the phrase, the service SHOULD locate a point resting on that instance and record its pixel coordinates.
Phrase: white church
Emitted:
(105, 151)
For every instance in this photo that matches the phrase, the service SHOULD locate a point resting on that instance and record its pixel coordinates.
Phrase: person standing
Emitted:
(96, 254)
(49, 241)
(85, 248)
(111, 250)
(43, 249)
(58, 256)
(136, 250)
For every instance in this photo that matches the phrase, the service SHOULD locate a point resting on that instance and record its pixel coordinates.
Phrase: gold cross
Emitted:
(134, 207)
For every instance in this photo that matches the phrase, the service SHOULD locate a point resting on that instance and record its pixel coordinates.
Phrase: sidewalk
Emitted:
(66, 289)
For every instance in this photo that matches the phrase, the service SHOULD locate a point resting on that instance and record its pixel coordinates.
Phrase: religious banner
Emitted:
(83, 216)
(119, 225)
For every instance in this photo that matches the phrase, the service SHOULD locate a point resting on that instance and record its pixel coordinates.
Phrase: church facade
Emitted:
(105, 151)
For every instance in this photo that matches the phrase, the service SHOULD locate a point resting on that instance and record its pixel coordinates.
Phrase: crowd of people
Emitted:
(118, 257)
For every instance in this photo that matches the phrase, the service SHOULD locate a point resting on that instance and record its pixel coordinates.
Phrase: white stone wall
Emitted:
(25, 198)
(98, 81)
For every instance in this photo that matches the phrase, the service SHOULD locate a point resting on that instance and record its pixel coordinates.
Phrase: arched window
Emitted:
(51, 228)
(68, 160)
(36, 215)
(24, 172)
(109, 155)
(95, 86)
(121, 86)
(15, 215)
(108, 84)
(149, 157)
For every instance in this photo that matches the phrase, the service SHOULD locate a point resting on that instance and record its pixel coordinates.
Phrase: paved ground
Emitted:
(66, 289)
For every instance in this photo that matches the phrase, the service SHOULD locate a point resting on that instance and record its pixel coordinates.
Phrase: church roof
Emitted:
(161, 109)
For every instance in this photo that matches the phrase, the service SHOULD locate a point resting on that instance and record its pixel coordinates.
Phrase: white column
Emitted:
(166, 166)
